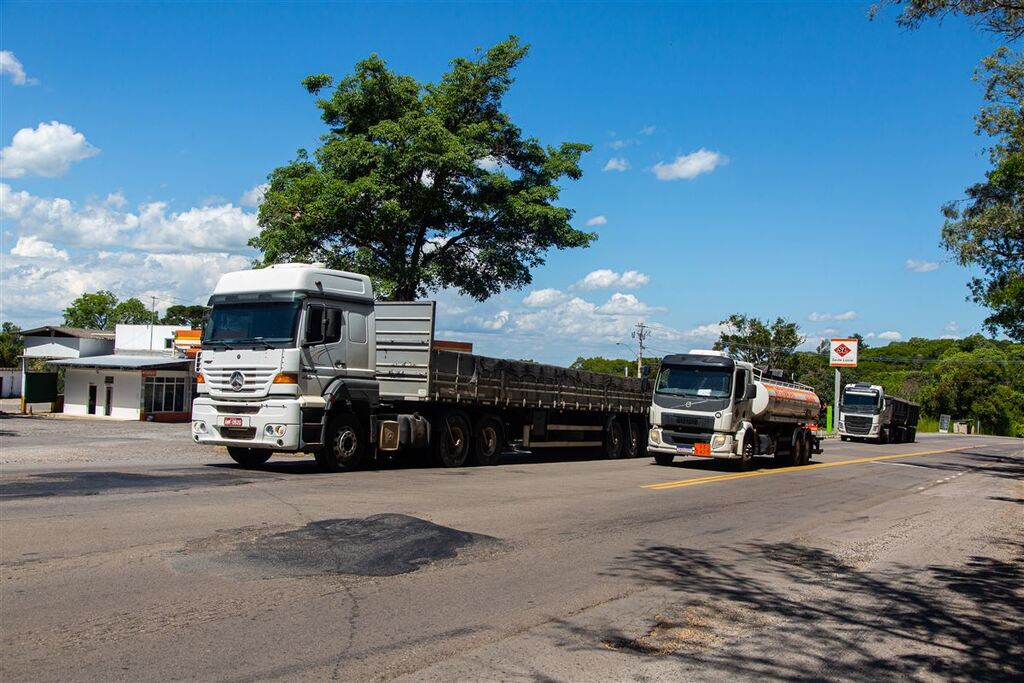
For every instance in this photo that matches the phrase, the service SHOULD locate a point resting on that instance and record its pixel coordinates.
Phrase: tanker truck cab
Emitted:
(709, 405)
(282, 347)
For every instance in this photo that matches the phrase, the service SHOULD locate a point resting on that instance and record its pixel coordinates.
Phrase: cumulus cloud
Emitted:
(824, 317)
(488, 163)
(604, 278)
(493, 323)
(689, 166)
(616, 164)
(253, 197)
(619, 144)
(648, 130)
(597, 220)
(915, 266)
(626, 304)
(891, 335)
(48, 150)
(543, 298)
(29, 246)
(11, 67)
(105, 224)
(952, 326)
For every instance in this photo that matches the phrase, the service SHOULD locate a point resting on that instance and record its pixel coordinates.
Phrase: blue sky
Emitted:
(781, 160)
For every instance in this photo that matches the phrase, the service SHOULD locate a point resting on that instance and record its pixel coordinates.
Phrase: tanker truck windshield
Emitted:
(701, 382)
(269, 323)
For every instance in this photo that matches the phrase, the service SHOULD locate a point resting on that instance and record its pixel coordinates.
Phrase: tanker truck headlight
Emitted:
(275, 430)
(718, 440)
(655, 435)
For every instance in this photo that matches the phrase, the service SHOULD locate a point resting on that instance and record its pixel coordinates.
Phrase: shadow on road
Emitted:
(791, 612)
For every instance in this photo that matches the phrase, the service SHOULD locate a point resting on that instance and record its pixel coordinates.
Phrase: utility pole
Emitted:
(152, 321)
(642, 332)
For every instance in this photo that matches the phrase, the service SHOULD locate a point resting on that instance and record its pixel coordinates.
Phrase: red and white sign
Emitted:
(843, 353)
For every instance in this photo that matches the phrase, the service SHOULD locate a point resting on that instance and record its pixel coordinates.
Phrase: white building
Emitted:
(55, 343)
(146, 378)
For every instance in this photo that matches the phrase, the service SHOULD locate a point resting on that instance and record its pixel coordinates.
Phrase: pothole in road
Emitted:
(379, 545)
(695, 627)
(93, 483)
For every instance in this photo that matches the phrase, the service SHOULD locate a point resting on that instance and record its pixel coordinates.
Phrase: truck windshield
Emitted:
(860, 403)
(267, 323)
(693, 381)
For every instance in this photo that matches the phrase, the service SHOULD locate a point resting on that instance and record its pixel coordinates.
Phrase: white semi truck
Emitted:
(707, 404)
(867, 413)
(297, 358)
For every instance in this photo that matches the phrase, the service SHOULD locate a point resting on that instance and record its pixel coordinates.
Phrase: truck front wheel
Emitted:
(249, 457)
(345, 445)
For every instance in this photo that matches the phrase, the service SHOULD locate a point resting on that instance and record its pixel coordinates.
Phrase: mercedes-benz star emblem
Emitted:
(237, 380)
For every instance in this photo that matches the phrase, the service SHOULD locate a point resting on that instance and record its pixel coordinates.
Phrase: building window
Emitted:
(165, 395)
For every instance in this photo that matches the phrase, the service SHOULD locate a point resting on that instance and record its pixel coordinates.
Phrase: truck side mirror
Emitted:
(749, 392)
(314, 326)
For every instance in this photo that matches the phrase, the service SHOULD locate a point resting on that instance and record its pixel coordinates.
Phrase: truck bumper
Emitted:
(657, 442)
(272, 424)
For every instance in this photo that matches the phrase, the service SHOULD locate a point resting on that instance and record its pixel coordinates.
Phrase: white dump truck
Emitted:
(707, 404)
(867, 413)
(297, 358)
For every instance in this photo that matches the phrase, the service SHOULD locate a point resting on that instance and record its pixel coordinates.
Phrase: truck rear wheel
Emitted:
(912, 435)
(488, 440)
(805, 446)
(614, 440)
(344, 446)
(249, 457)
(632, 434)
(453, 437)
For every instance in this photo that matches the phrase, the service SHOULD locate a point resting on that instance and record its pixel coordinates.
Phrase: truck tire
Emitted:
(345, 443)
(912, 435)
(614, 440)
(249, 457)
(664, 458)
(804, 456)
(488, 441)
(632, 438)
(746, 459)
(897, 435)
(453, 439)
(641, 437)
(787, 457)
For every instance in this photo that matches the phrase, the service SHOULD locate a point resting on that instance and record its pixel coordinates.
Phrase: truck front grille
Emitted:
(858, 424)
(695, 423)
(255, 380)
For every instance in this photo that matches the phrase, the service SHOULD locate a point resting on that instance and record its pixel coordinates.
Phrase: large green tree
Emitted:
(193, 316)
(131, 311)
(765, 344)
(986, 229)
(11, 345)
(423, 185)
(102, 311)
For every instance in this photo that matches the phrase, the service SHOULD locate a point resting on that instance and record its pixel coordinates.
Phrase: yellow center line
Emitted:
(783, 470)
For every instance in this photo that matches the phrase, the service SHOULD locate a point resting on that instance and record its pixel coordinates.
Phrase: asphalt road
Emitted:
(128, 553)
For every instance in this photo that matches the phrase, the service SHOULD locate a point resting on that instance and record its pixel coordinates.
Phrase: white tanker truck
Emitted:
(707, 404)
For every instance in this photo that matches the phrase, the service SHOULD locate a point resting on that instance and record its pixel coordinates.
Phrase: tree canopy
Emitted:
(423, 186)
(766, 345)
(11, 345)
(102, 311)
(193, 316)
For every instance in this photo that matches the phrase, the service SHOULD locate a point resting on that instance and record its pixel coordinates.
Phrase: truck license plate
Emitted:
(684, 450)
(232, 422)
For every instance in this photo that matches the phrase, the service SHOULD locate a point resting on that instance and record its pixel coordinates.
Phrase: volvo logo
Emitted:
(688, 403)
(237, 380)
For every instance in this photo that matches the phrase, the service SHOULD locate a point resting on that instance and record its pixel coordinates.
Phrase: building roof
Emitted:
(58, 331)
(126, 362)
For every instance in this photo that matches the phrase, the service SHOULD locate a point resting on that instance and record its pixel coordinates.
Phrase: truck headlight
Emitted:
(199, 427)
(275, 430)
(655, 435)
(718, 440)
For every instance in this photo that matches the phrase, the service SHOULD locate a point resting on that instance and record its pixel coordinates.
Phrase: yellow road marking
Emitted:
(782, 470)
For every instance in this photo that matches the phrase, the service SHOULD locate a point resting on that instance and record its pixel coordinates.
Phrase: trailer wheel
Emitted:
(345, 444)
(454, 436)
(249, 457)
(488, 440)
(614, 440)
(632, 437)
(911, 435)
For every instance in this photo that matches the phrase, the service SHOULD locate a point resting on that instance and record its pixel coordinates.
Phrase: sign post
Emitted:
(842, 354)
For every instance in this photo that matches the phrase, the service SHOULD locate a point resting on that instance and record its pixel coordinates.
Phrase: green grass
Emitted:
(927, 424)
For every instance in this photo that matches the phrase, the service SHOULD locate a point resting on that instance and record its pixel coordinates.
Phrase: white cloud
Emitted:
(604, 278)
(48, 151)
(916, 266)
(823, 317)
(648, 130)
(154, 228)
(29, 246)
(689, 166)
(11, 66)
(952, 326)
(543, 298)
(427, 178)
(253, 197)
(619, 144)
(626, 304)
(493, 323)
(891, 335)
(616, 164)
(597, 220)
(488, 163)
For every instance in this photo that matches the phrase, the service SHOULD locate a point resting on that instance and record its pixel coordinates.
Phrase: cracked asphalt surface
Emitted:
(128, 553)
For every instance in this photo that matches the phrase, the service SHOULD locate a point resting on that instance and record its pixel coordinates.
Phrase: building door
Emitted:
(109, 400)
(92, 399)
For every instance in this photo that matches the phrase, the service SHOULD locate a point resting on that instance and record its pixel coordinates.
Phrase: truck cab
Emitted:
(866, 412)
(280, 343)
